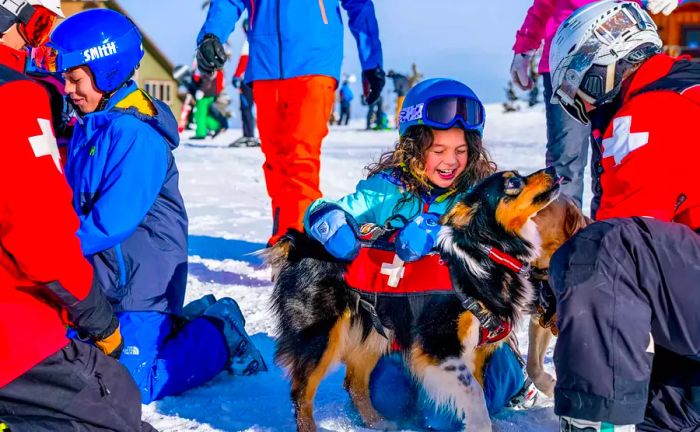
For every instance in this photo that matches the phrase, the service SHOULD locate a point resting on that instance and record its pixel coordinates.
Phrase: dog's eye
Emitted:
(513, 186)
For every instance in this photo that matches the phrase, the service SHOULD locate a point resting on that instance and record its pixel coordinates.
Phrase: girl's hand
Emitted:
(418, 237)
(334, 228)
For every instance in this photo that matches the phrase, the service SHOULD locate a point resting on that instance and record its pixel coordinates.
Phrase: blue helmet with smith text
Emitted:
(442, 103)
(104, 40)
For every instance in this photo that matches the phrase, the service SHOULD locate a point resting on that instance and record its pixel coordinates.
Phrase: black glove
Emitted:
(236, 82)
(372, 84)
(210, 54)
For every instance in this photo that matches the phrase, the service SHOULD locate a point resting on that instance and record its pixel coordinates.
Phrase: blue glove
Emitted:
(418, 237)
(333, 227)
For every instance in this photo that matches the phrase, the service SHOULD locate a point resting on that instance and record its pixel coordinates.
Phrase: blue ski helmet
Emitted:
(442, 103)
(102, 39)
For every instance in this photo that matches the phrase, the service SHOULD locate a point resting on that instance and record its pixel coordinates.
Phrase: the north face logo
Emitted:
(99, 52)
(413, 112)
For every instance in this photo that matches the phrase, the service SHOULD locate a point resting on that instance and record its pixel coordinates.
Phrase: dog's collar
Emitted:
(491, 328)
(506, 260)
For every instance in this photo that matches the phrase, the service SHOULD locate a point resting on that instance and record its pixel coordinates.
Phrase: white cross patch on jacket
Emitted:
(623, 141)
(45, 144)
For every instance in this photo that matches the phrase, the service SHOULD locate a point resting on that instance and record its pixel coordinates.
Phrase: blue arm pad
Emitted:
(334, 228)
(418, 237)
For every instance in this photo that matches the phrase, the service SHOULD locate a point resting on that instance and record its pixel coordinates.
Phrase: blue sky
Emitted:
(469, 40)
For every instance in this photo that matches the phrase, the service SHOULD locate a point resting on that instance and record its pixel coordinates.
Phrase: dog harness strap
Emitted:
(502, 258)
(491, 329)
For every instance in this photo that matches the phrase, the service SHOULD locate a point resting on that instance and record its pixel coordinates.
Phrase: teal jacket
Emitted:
(382, 198)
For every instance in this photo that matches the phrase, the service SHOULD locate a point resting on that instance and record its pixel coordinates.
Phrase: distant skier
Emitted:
(295, 59)
(401, 87)
(246, 96)
(346, 96)
(627, 286)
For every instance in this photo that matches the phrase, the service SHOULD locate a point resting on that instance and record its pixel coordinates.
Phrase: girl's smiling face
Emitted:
(447, 157)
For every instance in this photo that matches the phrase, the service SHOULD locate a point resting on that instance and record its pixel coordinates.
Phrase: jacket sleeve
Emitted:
(221, 19)
(532, 31)
(363, 204)
(363, 26)
(37, 220)
(132, 178)
(242, 60)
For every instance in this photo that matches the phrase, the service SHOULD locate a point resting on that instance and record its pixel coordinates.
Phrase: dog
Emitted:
(556, 223)
(486, 241)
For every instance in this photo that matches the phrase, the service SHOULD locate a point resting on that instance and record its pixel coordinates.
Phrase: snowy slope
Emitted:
(229, 218)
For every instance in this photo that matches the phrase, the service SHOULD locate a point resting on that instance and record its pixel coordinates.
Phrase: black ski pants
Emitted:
(627, 288)
(247, 118)
(76, 389)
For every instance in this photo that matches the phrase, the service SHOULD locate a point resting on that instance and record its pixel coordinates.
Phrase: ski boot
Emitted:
(569, 424)
(240, 142)
(245, 359)
(196, 308)
(253, 142)
(526, 397)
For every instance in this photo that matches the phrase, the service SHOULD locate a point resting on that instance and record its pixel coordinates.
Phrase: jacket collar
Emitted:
(651, 70)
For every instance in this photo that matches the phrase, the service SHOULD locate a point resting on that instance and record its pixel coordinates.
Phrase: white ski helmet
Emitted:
(593, 48)
(52, 5)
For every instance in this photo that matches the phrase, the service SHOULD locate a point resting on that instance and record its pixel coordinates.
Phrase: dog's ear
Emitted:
(574, 219)
(458, 216)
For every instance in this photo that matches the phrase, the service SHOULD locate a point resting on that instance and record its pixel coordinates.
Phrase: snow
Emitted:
(228, 207)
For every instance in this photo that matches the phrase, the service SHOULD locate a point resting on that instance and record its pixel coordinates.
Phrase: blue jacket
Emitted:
(290, 39)
(381, 198)
(133, 224)
(346, 94)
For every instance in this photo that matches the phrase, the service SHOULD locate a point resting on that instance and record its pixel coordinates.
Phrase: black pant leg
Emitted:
(76, 389)
(619, 282)
(247, 119)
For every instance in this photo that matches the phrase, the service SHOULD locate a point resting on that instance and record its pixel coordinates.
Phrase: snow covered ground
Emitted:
(229, 218)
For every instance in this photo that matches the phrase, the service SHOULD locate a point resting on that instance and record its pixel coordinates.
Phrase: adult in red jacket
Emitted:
(46, 381)
(626, 286)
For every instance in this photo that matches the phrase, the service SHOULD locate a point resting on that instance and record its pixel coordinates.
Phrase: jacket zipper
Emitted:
(323, 11)
(279, 39)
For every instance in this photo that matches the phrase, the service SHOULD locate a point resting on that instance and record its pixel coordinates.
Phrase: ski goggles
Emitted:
(443, 113)
(50, 60)
(37, 28)
(575, 66)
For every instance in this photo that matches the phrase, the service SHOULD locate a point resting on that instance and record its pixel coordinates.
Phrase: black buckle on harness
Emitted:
(359, 302)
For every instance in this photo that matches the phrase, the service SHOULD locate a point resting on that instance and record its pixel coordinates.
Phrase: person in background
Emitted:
(294, 65)
(133, 223)
(346, 97)
(47, 381)
(401, 86)
(246, 96)
(628, 353)
(209, 87)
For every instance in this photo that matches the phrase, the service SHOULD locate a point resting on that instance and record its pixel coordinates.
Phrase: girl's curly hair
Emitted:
(408, 159)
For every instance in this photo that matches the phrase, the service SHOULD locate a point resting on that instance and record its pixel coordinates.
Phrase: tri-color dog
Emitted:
(487, 240)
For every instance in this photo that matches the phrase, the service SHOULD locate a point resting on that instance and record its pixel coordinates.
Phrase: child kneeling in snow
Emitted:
(133, 224)
(438, 156)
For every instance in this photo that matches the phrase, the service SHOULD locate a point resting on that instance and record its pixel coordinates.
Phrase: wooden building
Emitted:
(680, 31)
(155, 73)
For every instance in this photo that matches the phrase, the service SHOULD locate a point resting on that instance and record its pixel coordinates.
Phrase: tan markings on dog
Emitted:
(459, 215)
(360, 358)
(467, 325)
(513, 213)
(305, 391)
(277, 255)
(556, 223)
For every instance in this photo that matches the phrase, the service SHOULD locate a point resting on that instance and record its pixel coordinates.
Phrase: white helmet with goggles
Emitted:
(35, 18)
(592, 50)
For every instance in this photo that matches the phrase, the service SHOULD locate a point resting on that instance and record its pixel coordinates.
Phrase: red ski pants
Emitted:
(292, 121)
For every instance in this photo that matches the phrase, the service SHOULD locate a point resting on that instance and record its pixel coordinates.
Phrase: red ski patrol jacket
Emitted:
(38, 244)
(651, 148)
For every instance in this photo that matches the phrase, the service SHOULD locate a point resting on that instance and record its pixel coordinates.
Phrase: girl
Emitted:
(133, 224)
(438, 156)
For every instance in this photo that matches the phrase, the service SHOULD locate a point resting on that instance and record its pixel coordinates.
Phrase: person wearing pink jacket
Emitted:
(567, 140)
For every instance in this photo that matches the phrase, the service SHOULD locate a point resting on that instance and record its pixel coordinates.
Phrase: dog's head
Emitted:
(497, 213)
(501, 207)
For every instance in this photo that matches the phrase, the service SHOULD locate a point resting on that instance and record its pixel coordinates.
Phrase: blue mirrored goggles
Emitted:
(444, 113)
